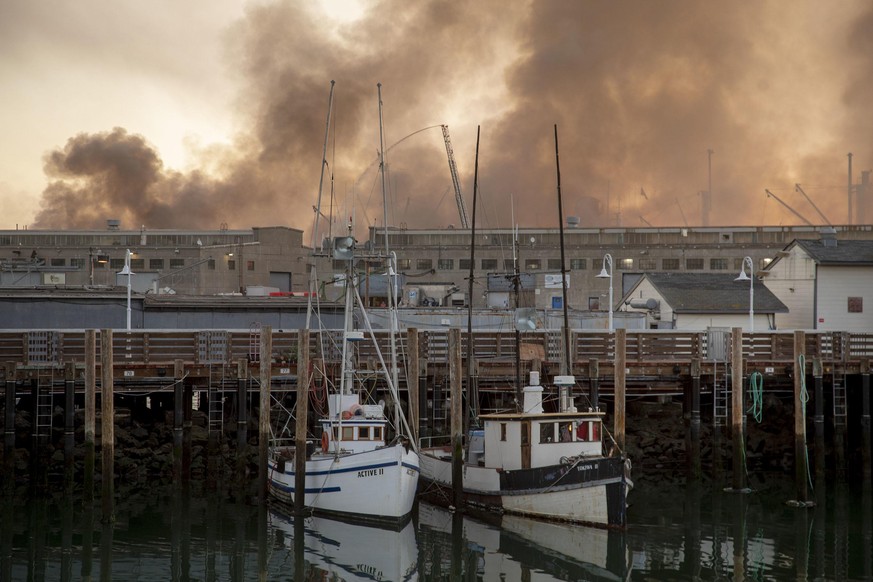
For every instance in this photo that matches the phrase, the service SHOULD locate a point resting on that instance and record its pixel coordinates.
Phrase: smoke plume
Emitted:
(639, 91)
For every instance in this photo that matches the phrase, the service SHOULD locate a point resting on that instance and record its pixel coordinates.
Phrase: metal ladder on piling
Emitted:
(717, 340)
(215, 397)
(45, 380)
(838, 381)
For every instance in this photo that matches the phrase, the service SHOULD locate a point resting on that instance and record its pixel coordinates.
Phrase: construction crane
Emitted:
(808, 199)
(456, 182)
(794, 212)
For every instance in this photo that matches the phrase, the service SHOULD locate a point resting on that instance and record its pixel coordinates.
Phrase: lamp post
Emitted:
(607, 260)
(751, 279)
(126, 271)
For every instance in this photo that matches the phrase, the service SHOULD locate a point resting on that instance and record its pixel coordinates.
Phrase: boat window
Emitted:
(377, 433)
(566, 432)
(595, 431)
(588, 431)
(547, 432)
(582, 431)
(364, 433)
(503, 431)
(348, 433)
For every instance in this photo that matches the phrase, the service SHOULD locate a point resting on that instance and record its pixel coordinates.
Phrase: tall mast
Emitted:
(565, 365)
(472, 393)
(391, 271)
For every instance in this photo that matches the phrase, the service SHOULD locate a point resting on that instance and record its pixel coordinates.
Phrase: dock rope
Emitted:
(804, 398)
(756, 388)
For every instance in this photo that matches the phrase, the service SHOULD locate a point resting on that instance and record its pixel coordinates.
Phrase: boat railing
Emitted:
(441, 440)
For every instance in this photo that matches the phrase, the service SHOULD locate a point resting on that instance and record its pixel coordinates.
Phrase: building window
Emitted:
(210, 264)
(137, 264)
(509, 265)
(424, 264)
(116, 264)
(177, 263)
(532, 265)
(231, 265)
(503, 431)
(156, 264)
(578, 264)
(77, 262)
(738, 265)
(856, 305)
(250, 265)
(446, 264)
(337, 265)
(489, 264)
(648, 264)
(694, 264)
(594, 304)
(670, 264)
(718, 264)
(554, 264)
(404, 264)
(464, 264)
(58, 262)
(625, 264)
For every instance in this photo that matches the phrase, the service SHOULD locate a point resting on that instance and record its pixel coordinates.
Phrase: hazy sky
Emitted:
(207, 112)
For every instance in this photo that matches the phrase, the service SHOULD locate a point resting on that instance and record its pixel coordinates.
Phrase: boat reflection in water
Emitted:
(343, 550)
(518, 548)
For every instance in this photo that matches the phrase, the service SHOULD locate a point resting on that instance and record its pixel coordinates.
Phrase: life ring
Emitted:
(325, 441)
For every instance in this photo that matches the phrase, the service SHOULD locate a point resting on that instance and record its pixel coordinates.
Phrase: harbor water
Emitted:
(676, 532)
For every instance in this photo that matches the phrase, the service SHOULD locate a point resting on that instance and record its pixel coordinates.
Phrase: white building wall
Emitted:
(645, 290)
(792, 280)
(835, 286)
(701, 321)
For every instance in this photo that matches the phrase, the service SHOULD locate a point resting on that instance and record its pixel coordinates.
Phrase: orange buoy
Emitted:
(325, 441)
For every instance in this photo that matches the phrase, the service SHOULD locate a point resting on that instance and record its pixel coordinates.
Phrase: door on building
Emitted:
(280, 280)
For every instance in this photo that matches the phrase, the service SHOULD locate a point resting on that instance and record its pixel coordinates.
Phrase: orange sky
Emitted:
(193, 114)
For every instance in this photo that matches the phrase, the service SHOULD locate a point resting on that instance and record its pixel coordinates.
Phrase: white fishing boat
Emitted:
(548, 465)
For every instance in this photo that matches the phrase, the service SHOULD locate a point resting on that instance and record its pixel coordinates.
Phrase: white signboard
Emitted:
(553, 281)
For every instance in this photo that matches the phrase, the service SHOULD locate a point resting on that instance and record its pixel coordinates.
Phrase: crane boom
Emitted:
(456, 182)
(808, 199)
(794, 212)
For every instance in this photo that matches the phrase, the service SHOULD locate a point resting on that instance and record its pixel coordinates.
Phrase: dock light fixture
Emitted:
(604, 274)
(126, 271)
(751, 279)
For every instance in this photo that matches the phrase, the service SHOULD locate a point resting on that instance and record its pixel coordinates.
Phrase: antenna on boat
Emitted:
(565, 364)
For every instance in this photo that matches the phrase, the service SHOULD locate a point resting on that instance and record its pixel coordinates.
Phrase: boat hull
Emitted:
(378, 485)
(589, 491)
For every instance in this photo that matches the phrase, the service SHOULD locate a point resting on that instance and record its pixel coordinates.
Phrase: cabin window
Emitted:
(348, 433)
(377, 433)
(364, 433)
(588, 431)
(565, 432)
(547, 432)
(503, 431)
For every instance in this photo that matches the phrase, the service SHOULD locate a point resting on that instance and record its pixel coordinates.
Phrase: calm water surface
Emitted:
(676, 533)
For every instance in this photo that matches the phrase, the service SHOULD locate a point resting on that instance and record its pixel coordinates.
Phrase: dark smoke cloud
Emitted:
(639, 90)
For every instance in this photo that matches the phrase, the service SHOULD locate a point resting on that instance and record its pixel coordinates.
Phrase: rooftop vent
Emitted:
(112, 224)
(829, 236)
(573, 221)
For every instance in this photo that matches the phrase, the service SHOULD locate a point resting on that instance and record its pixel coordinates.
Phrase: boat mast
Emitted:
(565, 364)
(392, 311)
(472, 392)
(313, 279)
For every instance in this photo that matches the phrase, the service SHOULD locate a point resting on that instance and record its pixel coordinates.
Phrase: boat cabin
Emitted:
(352, 427)
(535, 438)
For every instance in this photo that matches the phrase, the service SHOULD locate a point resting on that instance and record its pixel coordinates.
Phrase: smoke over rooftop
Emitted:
(639, 91)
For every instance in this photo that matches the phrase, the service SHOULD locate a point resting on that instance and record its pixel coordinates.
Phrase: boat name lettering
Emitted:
(370, 473)
(370, 571)
(586, 467)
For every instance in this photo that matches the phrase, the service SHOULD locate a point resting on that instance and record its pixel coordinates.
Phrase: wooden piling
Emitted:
(412, 373)
(865, 423)
(69, 421)
(8, 477)
(801, 461)
(620, 385)
(107, 425)
(694, 466)
(819, 421)
(301, 421)
(90, 412)
(266, 376)
(738, 413)
(594, 381)
(178, 416)
(457, 417)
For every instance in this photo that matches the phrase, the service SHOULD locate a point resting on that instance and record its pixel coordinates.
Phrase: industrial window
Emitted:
(446, 264)
(694, 264)
(489, 264)
(177, 263)
(509, 264)
(137, 264)
(464, 264)
(77, 262)
(156, 264)
(578, 264)
(59, 262)
(625, 264)
(404, 263)
(424, 264)
(594, 304)
(670, 264)
(114, 264)
(554, 264)
(532, 264)
(250, 265)
(231, 265)
(718, 264)
(856, 305)
(648, 264)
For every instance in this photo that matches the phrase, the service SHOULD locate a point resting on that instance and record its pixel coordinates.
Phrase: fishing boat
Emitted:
(355, 472)
(548, 465)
